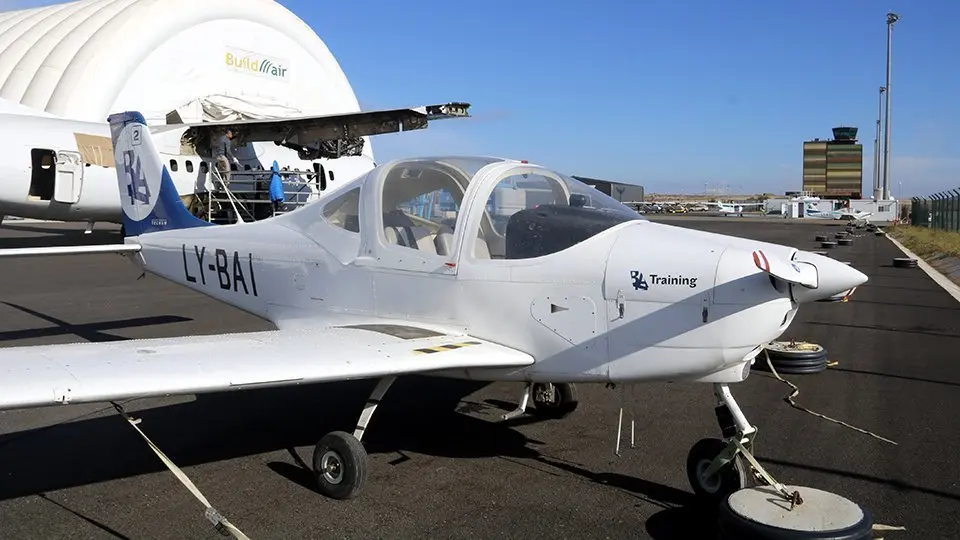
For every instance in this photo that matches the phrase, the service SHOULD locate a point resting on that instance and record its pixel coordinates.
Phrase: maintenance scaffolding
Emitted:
(246, 195)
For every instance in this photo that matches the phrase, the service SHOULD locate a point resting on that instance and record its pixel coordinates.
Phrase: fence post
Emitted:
(935, 211)
(956, 210)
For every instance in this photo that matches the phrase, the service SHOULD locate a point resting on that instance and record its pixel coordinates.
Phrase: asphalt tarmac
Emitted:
(442, 463)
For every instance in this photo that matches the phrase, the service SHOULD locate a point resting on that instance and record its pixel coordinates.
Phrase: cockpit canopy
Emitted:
(511, 210)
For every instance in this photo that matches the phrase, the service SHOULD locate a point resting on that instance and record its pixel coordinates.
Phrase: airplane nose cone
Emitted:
(834, 278)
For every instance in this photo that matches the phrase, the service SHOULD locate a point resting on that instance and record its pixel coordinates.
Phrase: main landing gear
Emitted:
(716, 468)
(339, 459)
(550, 400)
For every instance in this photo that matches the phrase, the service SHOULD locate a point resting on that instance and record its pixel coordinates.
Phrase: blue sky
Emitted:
(667, 94)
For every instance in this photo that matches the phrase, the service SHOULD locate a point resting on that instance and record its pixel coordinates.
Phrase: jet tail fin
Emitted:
(148, 197)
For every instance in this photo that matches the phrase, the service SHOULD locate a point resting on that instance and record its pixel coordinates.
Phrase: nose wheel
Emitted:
(733, 474)
(717, 468)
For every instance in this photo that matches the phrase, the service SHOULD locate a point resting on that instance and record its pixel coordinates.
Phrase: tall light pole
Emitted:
(877, 178)
(891, 19)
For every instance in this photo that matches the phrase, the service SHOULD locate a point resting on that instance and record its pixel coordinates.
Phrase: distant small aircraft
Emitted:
(847, 214)
(379, 280)
(732, 208)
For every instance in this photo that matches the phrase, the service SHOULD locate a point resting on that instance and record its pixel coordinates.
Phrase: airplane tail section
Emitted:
(148, 197)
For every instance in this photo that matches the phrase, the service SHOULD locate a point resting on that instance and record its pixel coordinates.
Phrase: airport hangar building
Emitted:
(199, 60)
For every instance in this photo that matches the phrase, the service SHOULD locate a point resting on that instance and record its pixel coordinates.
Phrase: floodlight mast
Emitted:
(892, 18)
(877, 143)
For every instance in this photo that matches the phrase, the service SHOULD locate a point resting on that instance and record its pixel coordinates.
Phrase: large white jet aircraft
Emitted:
(573, 287)
(60, 169)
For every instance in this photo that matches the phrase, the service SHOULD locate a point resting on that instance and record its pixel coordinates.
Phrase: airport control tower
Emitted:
(834, 168)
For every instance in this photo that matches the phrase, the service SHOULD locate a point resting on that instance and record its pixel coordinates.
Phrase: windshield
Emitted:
(599, 199)
(533, 214)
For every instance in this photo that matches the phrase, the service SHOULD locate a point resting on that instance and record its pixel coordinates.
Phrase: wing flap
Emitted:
(95, 372)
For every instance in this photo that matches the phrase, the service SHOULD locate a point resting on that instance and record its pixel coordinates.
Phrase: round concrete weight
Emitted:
(828, 244)
(824, 253)
(821, 238)
(844, 241)
(761, 513)
(904, 262)
(841, 235)
(879, 233)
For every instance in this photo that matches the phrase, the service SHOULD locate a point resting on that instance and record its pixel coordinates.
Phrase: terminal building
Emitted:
(834, 168)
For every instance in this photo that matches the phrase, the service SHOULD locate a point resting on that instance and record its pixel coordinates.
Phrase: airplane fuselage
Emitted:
(63, 170)
(609, 308)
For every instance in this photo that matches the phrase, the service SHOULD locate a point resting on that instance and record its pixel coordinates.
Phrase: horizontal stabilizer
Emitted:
(69, 250)
(799, 273)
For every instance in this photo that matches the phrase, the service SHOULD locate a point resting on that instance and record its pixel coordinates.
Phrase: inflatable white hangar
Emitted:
(207, 60)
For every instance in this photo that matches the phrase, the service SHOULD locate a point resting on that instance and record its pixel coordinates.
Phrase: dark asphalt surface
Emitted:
(443, 465)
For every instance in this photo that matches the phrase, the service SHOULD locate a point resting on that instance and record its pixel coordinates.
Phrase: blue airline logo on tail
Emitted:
(138, 190)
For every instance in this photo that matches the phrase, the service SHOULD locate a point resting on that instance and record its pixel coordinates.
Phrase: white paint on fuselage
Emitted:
(98, 197)
(299, 269)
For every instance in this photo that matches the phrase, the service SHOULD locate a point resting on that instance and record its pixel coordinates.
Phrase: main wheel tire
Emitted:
(732, 477)
(794, 358)
(844, 241)
(340, 465)
(564, 401)
(795, 350)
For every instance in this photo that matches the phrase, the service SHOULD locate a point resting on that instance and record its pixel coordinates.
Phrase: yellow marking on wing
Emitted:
(447, 347)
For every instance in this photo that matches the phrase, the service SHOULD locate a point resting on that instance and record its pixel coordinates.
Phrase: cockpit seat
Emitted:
(422, 239)
(413, 237)
(444, 242)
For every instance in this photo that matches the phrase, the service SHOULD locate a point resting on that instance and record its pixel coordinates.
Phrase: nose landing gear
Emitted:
(716, 468)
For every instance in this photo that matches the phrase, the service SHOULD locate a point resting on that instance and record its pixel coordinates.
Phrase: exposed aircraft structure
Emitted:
(571, 288)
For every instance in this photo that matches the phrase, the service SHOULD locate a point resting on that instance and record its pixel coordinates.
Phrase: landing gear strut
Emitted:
(716, 468)
(550, 400)
(339, 459)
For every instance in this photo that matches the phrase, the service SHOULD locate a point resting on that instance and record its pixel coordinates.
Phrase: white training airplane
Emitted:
(59, 169)
(848, 214)
(732, 208)
(572, 287)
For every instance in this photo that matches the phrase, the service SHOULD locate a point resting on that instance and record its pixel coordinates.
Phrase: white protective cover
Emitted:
(94, 372)
(86, 59)
(223, 108)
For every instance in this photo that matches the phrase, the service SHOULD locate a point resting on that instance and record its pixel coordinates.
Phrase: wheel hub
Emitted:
(331, 466)
(545, 394)
(710, 483)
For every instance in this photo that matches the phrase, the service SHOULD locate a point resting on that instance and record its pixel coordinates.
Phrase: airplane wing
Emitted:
(37, 376)
(328, 136)
(69, 250)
